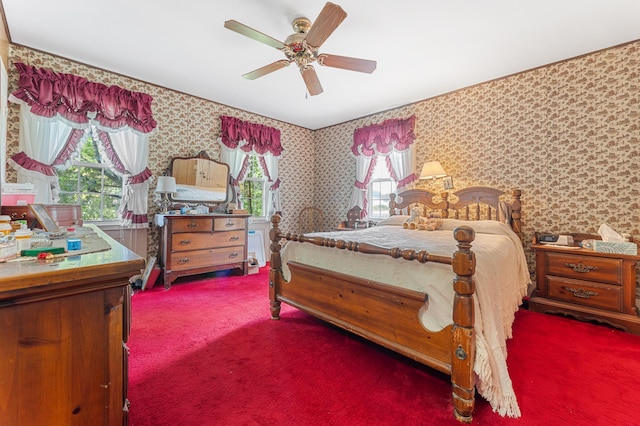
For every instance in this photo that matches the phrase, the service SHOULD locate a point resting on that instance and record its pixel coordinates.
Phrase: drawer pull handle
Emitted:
(183, 260)
(578, 292)
(229, 223)
(185, 242)
(581, 267)
(193, 224)
(234, 238)
(14, 215)
(232, 255)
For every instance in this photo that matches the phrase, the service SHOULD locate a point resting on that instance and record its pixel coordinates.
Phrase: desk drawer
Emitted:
(205, 258)
(229, 223)
(589, 268)
(203, 240)
(585, 293)
(192, 224)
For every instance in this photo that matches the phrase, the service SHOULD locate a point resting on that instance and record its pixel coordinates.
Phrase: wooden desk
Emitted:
(63, 328)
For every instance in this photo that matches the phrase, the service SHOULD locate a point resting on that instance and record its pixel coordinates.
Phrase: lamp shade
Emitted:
(432, 170)
(166, 184)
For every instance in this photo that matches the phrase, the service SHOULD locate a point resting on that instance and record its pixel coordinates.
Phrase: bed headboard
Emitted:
(474, 203)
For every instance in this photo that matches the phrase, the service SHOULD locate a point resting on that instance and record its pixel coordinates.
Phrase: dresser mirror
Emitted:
(199, 179)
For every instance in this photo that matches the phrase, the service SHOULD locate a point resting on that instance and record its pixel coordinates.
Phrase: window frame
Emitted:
(78, 191)
(381, 165)
(265, 188)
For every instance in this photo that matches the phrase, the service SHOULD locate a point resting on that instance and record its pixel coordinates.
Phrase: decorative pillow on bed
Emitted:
(397, 220)
(483, 226)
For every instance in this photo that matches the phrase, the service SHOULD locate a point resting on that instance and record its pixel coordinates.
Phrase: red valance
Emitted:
(393, 134)
(51, 94)
(250, 137)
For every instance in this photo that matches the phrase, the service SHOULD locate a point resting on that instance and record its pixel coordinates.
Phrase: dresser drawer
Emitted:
(203, 240)
(579, 292)
(229, 223)
(591, 268)
(205, 258)
(192, 224)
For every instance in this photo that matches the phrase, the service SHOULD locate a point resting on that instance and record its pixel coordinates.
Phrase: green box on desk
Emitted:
(615, 247)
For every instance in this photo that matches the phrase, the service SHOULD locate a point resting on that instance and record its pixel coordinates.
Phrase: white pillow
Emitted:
(397, 220)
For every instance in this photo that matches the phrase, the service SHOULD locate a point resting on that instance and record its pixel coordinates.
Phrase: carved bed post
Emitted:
(463, 342)
(516, 215)
(445, 209)
(275, 265)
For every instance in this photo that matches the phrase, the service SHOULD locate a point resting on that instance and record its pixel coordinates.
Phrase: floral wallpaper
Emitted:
(567, 135)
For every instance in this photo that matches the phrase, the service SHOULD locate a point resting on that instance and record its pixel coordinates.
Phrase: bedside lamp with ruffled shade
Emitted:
(166, 185)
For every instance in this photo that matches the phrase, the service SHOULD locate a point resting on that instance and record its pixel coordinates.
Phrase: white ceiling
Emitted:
(423, 47)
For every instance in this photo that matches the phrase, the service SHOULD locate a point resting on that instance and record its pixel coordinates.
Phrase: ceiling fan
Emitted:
(302, 47)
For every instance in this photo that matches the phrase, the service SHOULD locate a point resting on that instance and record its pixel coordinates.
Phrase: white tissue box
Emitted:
(615, 247)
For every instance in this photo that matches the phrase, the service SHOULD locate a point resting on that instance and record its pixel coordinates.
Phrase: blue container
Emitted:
(74, 244)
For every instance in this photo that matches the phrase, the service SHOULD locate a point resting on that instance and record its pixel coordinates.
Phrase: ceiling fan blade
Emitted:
(254, 34)
(266, 69)
(311, 80)
(347, 63)
(330, 17)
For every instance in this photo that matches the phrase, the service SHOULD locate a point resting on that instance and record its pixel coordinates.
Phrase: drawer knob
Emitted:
(234, 238)
(193, 224)
(581, 267)
(229, 223)
(14, 215)
(183, 260)
(185, 242)
(581, 293)
(232, 255)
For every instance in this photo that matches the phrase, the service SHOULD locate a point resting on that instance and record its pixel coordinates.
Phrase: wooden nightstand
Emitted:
(587, 285)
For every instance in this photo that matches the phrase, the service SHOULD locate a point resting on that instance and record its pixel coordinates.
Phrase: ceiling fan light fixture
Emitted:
(301, 25)
(302, 47)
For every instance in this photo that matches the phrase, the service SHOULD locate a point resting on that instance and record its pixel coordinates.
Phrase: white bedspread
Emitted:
(502, 278)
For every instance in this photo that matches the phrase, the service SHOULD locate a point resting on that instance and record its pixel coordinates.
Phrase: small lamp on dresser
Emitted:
(166, 185)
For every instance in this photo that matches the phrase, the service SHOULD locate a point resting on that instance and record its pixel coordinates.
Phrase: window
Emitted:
(91, 184)
(380, 188)
(253, 189)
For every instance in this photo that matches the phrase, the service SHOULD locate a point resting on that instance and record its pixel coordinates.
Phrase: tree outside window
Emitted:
(253, 189)
(380, 188)
(91, 184)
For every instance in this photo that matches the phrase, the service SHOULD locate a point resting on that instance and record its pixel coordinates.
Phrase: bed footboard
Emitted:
(385, 314)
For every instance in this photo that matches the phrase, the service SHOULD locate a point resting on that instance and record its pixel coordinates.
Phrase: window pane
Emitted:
(380, 189)
(91, 184)
(252, 196)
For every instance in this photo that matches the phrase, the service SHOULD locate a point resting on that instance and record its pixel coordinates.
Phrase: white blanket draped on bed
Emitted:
(501, 277)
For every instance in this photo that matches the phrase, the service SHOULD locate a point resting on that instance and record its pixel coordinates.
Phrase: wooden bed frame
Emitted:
(388, 315)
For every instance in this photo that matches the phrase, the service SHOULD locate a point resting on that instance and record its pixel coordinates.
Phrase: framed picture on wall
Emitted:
(43, 217)
(447, 182)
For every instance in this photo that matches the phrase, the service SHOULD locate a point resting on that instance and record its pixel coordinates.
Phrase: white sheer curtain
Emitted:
(271, 162)
(41, 139)
(403, 164)
(235, 158)
(131, 151)
(364, 167)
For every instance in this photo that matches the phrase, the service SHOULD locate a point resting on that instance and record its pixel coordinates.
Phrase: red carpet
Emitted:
(207, 353)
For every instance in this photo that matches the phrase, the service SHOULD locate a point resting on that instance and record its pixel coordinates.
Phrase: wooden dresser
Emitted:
(64, 324)
(196, 244)
(586, 285)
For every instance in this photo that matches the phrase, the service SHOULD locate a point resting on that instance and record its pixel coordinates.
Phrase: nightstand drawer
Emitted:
(589, 268)
(596, 295)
